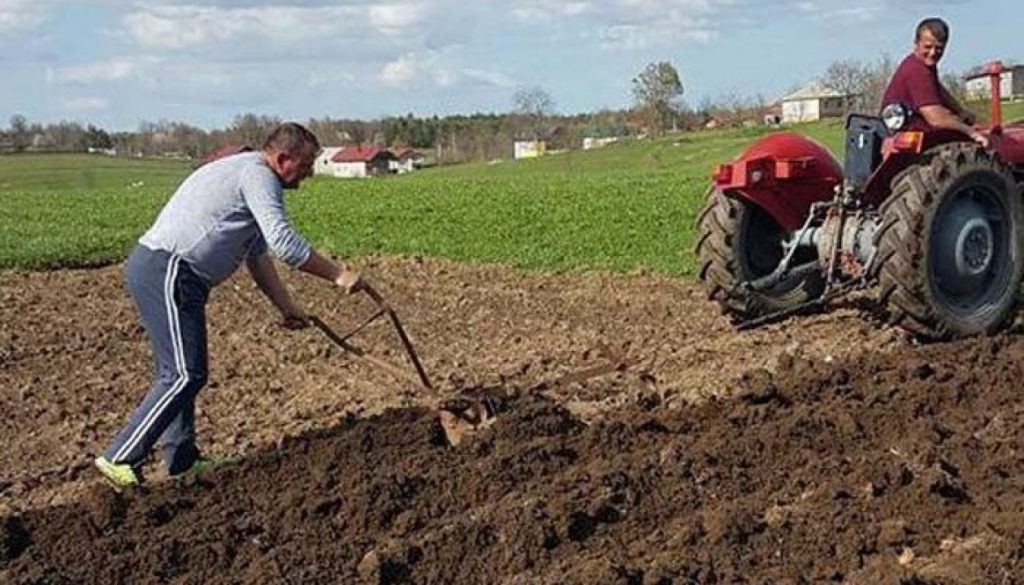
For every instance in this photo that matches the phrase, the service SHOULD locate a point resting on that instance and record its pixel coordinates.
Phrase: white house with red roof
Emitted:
(354, 161)
(323, 164)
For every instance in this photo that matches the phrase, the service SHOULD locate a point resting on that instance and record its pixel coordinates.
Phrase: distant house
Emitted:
(529, 148)
(323, 164)
(406, 160)
(1011, 83)
(591, 142)
(812, 102)
(360, 161)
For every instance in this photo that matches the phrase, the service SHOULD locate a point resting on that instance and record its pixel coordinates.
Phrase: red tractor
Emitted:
(932, 218)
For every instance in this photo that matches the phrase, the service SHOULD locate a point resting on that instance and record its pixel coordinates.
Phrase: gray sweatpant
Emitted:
(171, 300)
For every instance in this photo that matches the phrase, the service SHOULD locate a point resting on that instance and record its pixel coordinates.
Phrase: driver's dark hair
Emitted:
(292, 138)
(936, 26)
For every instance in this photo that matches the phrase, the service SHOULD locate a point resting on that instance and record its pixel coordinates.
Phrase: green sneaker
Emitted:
(120, 475)
(200, 467)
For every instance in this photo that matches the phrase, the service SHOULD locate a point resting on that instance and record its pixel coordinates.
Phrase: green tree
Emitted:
(657, 90)
(19, 133)
(97, 138)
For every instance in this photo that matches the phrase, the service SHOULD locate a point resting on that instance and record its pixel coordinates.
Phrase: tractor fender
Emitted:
(783, 174)
(1009, 144)
(899, 152)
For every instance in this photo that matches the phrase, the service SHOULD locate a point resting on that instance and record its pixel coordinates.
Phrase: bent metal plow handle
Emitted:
(357, 352)
(382, 309)
(456, 420)
(393, 317)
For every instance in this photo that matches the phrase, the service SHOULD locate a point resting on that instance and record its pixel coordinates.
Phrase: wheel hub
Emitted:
(974, 248)
(967, 257)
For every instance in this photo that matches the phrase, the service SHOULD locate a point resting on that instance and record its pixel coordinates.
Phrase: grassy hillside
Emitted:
(1011, 111)
(73, 210)
(624, 207)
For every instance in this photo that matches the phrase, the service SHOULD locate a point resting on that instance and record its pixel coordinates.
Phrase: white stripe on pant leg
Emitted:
(174, 327)
(182, 378)
(172, 317)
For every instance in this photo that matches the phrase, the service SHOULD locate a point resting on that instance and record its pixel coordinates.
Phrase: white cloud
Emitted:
(629, 24)
(93, 72)
(86, 104)
(861, 13)
(328, 76)
(188, 25)
(575, 8)
(21, 15)
(489, 78)
(179, 27)
(395, 19)
(412, 70)
(539, 11)
(655, 34)
(402, 70)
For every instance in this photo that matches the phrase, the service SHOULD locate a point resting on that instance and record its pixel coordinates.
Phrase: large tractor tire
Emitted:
(951, 244)
(738, 242)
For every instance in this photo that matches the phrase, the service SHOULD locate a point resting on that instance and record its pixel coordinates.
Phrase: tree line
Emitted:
(460, 138)
(657, 108)
(444, 139)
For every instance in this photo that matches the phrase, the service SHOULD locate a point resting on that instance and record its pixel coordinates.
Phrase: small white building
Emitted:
(323, 164)
(591, 142)
(356, 161)
(810, 103)
(1011, 83)
(529, 148)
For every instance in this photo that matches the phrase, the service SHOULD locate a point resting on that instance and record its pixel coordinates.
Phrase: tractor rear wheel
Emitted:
(738, 242)
(951, 244)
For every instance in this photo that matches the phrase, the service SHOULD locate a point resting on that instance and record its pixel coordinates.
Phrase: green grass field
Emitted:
(624, 208)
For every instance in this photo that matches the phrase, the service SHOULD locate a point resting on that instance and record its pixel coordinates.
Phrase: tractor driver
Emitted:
(916, 85)
(227, 212)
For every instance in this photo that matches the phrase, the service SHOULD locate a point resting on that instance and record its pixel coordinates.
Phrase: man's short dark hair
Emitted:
(292, 138)
(936, 26)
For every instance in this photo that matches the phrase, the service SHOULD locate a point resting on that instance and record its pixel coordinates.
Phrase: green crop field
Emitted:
(628, 207)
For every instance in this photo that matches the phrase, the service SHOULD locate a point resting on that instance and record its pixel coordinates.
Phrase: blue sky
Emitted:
(117, 63)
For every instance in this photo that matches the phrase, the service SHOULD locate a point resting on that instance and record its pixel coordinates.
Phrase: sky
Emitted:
(117, 63)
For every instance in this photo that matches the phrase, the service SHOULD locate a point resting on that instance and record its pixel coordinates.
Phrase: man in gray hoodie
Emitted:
(225, 213)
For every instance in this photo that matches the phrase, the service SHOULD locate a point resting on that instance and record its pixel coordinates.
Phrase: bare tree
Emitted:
(879, 73)
(849, 78)
(955, 85)
(657, 90)
(250, 129)
(535, 105)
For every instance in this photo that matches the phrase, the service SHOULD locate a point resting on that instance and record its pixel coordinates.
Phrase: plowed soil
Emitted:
(825, 449)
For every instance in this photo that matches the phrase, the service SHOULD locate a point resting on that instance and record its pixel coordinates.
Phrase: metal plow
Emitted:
(470, 410)
(458, 417)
